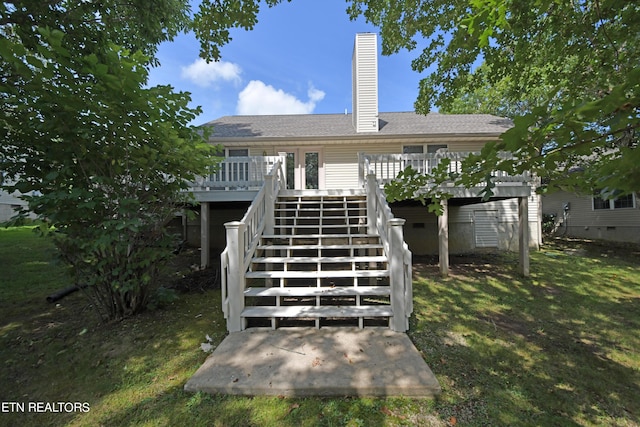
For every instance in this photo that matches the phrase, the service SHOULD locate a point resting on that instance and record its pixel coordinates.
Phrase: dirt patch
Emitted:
(186, 276)
(508, 324)
(197, 281)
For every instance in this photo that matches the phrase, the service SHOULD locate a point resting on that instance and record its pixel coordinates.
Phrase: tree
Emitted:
(478, 96)
(102, 157)
(577, 60)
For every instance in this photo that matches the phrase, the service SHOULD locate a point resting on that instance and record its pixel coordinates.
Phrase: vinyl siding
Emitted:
(365, 83)
(581, 220)
(341, 162)
(582, 214)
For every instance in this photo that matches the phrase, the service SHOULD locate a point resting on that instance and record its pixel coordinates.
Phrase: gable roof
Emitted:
(341, 126)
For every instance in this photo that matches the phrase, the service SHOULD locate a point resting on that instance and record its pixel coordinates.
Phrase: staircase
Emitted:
(319, 266)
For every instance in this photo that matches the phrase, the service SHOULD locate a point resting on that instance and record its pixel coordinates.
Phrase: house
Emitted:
(326, 152)
(8, 205)
(318, 241)
(591, 217)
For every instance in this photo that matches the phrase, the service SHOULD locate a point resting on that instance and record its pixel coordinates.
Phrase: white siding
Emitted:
(365, 83)
(486, 228)
(581, 220)
(341, 162)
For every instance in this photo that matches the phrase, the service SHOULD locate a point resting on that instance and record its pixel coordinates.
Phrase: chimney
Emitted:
(365, 83)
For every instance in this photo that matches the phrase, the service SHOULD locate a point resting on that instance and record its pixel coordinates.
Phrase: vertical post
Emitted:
(399, 322)
(269, 204)
(523, 235)
(443, 238)
(235, 279)
(372, 195)
(204, 235)
(361, 172)
(185, 225)
(283, 156)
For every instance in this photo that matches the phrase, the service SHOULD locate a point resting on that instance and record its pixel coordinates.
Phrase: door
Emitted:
(486, 228)
(305, 168)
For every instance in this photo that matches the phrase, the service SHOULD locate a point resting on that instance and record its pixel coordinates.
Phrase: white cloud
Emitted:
(204, 74)
(260, 98)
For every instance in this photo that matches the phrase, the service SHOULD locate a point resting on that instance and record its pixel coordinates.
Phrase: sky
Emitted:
(296, 60)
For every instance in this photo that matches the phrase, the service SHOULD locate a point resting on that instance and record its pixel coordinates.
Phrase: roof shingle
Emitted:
(340, 125)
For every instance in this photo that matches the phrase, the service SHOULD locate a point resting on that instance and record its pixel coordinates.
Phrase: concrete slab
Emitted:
(316, 362)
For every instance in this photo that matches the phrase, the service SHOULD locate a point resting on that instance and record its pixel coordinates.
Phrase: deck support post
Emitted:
(443, 238)
(235, 278)
(399, 322)
(204, 235)
(523, 235)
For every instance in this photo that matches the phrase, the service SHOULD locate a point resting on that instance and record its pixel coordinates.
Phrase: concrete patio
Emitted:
(316, 362)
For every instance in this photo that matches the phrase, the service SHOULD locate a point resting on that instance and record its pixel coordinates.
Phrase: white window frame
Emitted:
(612, 205)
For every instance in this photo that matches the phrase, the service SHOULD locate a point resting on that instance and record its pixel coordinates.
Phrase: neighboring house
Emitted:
(591, 217)
(9, 203)
(329, 151)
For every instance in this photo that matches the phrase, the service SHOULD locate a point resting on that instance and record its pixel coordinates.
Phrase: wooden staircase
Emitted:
(319, 266)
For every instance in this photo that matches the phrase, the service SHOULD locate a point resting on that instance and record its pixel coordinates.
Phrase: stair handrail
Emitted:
(382, 222)
(242, 240)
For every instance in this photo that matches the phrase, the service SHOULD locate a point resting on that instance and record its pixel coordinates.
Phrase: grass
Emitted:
(559, 348)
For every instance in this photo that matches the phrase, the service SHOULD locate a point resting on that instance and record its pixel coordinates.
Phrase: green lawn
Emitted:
(559, 348)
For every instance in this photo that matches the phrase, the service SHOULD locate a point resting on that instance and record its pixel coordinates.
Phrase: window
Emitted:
(238, 152)
(236, 171)
(433, 148)
(419, 163)
(412, 149)
(599, 203)
(622, 202)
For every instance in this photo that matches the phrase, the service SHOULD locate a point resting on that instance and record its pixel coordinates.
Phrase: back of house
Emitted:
(327, 152)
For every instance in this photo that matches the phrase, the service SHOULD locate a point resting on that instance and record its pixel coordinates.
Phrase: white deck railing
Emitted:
(238, 173)
(242, 239)
(386, 167)
(390, 229)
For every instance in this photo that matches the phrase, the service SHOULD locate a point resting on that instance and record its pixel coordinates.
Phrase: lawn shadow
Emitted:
(545, 349)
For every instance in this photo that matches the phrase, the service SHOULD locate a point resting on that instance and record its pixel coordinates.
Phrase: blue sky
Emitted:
(296, 60)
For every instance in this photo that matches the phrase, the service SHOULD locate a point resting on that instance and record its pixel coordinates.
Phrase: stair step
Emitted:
(319, 226)
(317, 236)
(323, 259)
(319, 246)
(318, 291)
(316, 201)
(315, 274)
(316, 312)
(306, 218)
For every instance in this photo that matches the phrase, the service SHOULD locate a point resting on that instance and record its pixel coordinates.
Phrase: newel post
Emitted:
(269, 203)
(372, 201)
(235, 280)
(399, 322)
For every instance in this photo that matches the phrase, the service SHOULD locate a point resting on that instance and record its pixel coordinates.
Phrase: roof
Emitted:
(340, 125)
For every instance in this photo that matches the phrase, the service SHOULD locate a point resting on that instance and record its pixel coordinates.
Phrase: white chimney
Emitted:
(365, 83)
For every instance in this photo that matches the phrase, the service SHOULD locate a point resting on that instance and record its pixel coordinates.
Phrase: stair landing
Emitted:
(310, 362)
